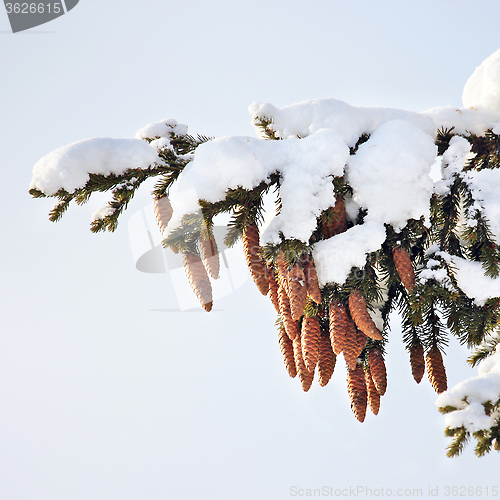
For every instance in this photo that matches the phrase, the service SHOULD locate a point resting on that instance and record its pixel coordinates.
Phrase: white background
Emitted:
(104, 393)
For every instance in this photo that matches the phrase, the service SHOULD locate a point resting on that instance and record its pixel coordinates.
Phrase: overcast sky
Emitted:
(106, 390)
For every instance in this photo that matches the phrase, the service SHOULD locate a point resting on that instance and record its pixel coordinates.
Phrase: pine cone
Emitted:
(361, 316)
(311, 277)
(282, 269)
(198, 279)
(306, 377)
(373, 395)
(436, 370)
(297, 291)
(257, 267)
(163, 212)
(326, 360)
(357, 392)
(273, 288)
(286, 347)
(417, 362)
(210, 255)
(340, 324)
(335, 219)
(377, 370)
(310, 334)
(353, 346)
(404, 267)
(291, 326)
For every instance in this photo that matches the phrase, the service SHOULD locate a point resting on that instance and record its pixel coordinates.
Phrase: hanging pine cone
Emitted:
(353, 346)
(326, 360)
(311, 278)
(306, 377)
(198, 279)
(310, 334)
(273, 288)
(340, 324)
(286, 347)
(257, 267)
(361, 316)
(210, 255)
(436, 370)
(163, 212)
(377, 370)
(297, 291)
(291, 326)
(496, 444)
(404, 267)
(417, 362)
(334, 220)
(357, 392)
(373, 395)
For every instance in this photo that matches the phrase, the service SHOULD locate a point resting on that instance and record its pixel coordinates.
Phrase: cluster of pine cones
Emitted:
(308, 343)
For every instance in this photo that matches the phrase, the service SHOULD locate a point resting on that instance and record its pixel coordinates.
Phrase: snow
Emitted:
(306, 166)
(484, 186)
(102, 212)
(482, 89)
(334, 257)
(350, 122)
(69, 166)
(469, 395)
(390, 174)
(162, 129)
(453, 162)
(471, 279)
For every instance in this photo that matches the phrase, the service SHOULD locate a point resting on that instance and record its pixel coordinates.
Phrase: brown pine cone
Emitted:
(306, 377)
(326, 360)
(310, 334)
(163, 212)
(286, 347)
(357, 392)
(417, 362)
(340, 323)
(496, 444)
(291, 326)
(377, 370)
(334, 219)
(258, 268)
(353, 346)
(273, 288)
(436, 370)
(361, 316)
(198, 279)
(297, 291)
(373, 395)
(311, 278)
(210, 255)
(404, 267)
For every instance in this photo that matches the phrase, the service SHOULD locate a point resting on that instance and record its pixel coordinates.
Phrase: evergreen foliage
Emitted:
(435, 309)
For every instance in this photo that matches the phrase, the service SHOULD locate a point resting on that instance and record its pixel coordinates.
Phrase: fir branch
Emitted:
(487, 348)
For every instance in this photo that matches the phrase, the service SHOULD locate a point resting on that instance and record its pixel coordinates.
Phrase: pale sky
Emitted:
(106, 393)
